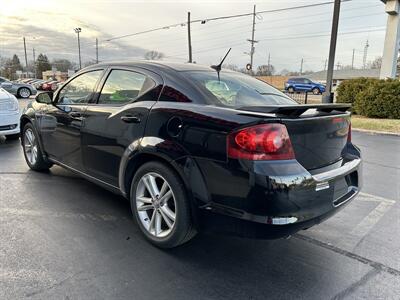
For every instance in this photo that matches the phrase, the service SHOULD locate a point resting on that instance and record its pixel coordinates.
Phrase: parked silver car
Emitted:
(20, 90)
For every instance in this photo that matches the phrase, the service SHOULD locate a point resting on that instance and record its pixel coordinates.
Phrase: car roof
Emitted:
(156, 65)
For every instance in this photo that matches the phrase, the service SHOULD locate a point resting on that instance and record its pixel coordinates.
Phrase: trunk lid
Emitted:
(318, 133)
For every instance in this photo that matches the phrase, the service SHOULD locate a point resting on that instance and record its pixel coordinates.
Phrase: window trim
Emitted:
(57, 97)
(104, 80)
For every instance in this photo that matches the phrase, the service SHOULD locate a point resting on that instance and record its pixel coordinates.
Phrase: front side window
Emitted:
(80, 89)
(238, 90)
(124, 86)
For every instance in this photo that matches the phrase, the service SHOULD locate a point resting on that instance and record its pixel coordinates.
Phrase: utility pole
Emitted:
(97, 51)
(269, 64)
(34, 61)
(301, 66)
(326, 62)
(252, 41)
(26, 59)
(365, 54)
(328, 96)
(78, 30)
(189, 39)
(352, 60)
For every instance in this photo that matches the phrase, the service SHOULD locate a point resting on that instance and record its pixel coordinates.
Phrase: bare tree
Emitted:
(154, 55)
(230, 67)
(376, 63)
(265, 70)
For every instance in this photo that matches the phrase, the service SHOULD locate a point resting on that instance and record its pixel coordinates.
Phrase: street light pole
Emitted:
(78, 30)
(327, 96)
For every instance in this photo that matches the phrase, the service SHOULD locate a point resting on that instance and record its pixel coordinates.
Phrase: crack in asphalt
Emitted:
(376, 265)
(381, 165)
(354, 286)
(59, 283)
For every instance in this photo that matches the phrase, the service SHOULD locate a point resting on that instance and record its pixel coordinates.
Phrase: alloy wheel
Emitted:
(24, 92)
(30, 146)
(156, 205)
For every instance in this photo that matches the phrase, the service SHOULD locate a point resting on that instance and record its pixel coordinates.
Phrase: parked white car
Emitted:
(9, 115)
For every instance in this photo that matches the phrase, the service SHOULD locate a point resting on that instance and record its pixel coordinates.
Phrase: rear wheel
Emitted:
(160, 206)
(291, 90)
(32, 152)
(23, 92)
(316, 91)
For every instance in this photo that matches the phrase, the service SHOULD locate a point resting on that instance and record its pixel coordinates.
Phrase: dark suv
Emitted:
(304, 85)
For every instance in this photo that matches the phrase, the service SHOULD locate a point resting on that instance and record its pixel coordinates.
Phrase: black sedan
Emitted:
(197, 150)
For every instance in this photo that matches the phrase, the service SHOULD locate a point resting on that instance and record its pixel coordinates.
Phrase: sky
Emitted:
(287, 36)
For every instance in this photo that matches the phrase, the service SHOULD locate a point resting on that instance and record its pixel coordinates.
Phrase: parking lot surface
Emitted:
(62, 237)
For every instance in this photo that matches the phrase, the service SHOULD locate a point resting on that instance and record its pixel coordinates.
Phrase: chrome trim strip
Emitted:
(83, 173)
(339, 172)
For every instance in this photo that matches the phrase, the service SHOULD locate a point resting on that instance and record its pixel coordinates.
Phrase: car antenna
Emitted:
(219, 66)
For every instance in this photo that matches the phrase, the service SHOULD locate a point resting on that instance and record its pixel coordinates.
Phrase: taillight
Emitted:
(349, 134)
(261, 142)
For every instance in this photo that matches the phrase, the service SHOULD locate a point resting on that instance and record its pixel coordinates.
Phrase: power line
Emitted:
(203, 21)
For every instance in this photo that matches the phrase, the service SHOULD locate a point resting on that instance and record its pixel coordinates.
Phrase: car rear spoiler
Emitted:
(297, 110)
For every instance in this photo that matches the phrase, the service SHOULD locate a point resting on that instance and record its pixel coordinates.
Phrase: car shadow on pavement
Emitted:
(74, 225)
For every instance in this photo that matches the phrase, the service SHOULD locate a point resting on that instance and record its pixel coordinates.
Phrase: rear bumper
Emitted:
(282, 198)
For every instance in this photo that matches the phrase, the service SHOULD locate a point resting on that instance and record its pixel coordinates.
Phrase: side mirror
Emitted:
(45, 98)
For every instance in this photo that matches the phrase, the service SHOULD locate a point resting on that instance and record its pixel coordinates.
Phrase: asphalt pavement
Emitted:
(62, 237)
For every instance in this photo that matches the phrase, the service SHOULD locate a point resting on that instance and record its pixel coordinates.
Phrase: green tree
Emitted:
(11, 66)
(16, 63)
(42, 64)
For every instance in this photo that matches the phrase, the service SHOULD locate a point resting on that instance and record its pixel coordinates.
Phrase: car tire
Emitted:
(316, 91)
(13, 136)
(31, 148)
(23, 92)
(162, 214)
(291, 90)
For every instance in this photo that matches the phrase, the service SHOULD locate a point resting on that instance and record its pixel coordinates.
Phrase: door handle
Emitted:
(130, 119)
(75, 114)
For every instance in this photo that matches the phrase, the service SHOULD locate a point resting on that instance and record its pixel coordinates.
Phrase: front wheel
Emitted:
(316, 91)
(24, 93)
(32, 152)
(291, 90)
(160, 205)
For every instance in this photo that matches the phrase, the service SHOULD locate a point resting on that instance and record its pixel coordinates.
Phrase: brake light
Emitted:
(349, 134)
(261, 142)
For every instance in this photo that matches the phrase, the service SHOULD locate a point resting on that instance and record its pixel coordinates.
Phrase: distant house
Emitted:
(340, 75)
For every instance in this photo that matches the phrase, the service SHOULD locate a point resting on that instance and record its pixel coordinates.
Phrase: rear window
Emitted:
(238, 90)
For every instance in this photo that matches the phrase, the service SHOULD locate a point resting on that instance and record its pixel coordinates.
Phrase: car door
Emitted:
(117, 119)
(300, 84)
(60, 124)
(307, 85)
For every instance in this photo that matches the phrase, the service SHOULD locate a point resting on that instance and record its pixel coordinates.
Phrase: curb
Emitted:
(376, 132)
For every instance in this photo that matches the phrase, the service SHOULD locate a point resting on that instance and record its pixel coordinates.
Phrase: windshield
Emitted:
(238, 90)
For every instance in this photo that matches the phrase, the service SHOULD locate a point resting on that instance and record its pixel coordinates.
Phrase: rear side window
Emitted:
(124, 86)
(238, 90)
